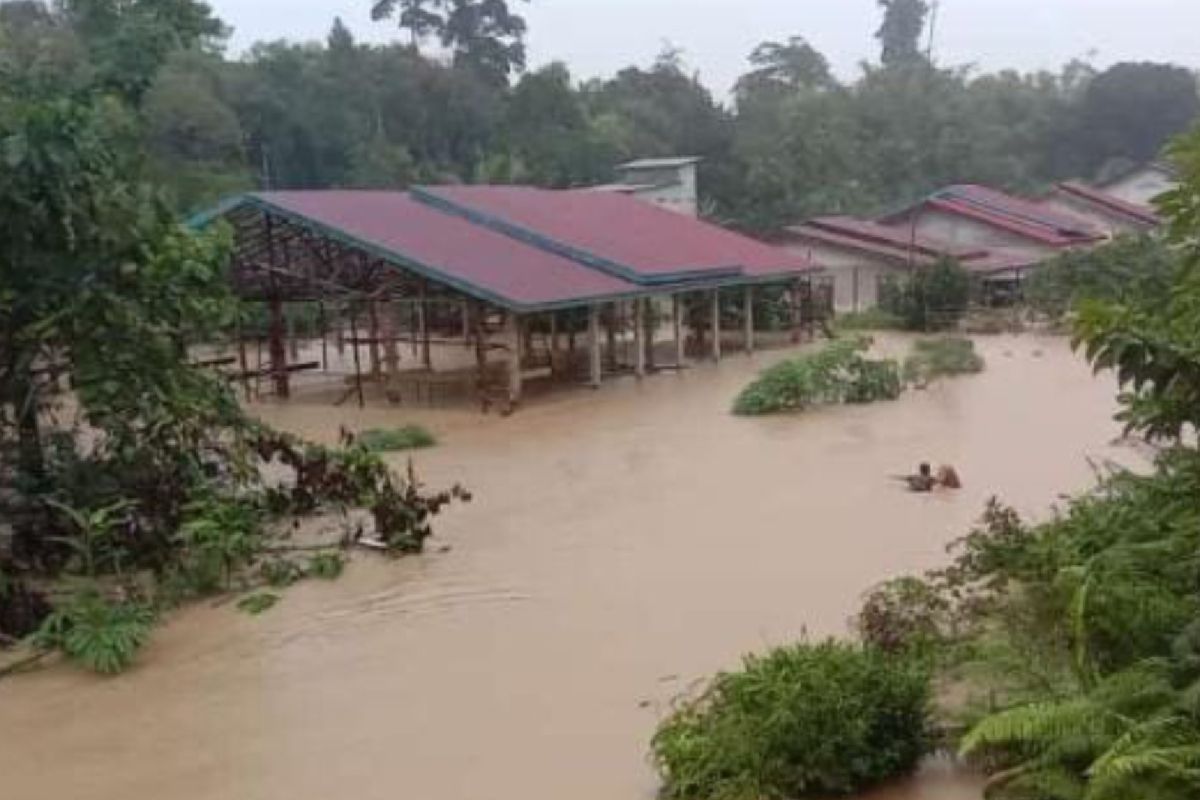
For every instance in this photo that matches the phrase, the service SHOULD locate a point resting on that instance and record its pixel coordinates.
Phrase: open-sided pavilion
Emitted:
(497, 268)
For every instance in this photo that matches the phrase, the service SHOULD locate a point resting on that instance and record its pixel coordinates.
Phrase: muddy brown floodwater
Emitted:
(623, 544)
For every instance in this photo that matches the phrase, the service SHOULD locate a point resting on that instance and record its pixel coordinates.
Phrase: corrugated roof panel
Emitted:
(466, 254)
(1016, 215)
(617, 233)
(1138, 213)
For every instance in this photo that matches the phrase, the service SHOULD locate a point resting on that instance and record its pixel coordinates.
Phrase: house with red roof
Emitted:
(1103, 210)
(1142, 183)
(858, 255)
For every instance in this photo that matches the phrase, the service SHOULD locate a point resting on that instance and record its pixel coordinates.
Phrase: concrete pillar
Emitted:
(596, 367)
(639, 337)
(677, 324)
(513, 338)
(716, 324)
(749, 320)
(466, 322)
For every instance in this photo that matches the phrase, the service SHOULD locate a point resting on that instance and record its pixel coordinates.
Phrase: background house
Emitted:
(1142, 184)
(670, 183)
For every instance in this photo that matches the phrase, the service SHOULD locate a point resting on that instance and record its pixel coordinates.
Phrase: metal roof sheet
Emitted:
(660, 163)
(1014, 214)
(1138, 213)
(448, 247)
(616, 233)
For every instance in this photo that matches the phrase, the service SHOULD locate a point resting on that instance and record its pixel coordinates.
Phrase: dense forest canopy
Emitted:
(451, 101)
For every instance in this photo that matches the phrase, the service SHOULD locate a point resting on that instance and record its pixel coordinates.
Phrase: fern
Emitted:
(102, 636)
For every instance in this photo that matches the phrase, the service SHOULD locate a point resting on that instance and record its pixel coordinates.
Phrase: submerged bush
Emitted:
(934, 297)
(873, 319)
(102, 635)
(838, 373)
(388, 440)
(942, 357)
(804, 720)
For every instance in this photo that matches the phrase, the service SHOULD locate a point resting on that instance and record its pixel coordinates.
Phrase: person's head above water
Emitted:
(925, 469)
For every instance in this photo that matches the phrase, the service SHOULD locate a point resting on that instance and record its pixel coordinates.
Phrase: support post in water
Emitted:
(426, 358)
(596, 365)
(514, 340)
(749, 320)
(716, 324)
(677, 324)
(639, 334)
(358, 380)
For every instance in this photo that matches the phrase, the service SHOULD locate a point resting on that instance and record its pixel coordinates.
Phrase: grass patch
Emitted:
(390, 440)
(838, 373)
(804, 720)
(945, 356)
(873, 319)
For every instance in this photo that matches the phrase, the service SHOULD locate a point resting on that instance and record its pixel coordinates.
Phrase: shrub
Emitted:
(941, 357)
(932, 298)
(1143, 266)
(389, 440)
(838, 373)
(804, 720)
(101, 635)
(873, 319)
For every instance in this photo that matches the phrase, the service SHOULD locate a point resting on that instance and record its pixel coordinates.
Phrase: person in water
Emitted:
(947, 477)
(923, 481)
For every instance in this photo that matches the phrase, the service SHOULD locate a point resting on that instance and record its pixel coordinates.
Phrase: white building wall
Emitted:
(1109, 222)
(856, 275)
(1141, 186)
(966, 233)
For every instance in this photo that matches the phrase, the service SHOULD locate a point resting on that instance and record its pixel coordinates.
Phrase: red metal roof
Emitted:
(449, 246)
(616, 233)
(885, 239)
(1137, 213)
(513, 266)
(895, 243)
(1014, 214)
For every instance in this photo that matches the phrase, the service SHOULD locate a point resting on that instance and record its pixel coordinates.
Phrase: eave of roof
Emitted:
(659, 163)
(1014, 215)
(1131, 211)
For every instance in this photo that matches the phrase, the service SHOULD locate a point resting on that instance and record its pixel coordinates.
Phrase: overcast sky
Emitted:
(599, 37)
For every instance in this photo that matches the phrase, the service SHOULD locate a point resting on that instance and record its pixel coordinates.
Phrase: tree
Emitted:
(483, 35)
(130, 40)
(900, 33)
(790, 67)
(1129, 112)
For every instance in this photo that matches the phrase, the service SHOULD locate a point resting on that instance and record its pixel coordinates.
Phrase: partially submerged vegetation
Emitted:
(391, 440)
(129, 480)
(945, 356)
(809, 719)
(932, 298)
(840, 372)
(1072, 645)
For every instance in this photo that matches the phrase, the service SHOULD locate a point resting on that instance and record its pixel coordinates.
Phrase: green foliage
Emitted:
(1131, 266)
(256, 604)
(837, 373)
(904, 615)
(933, 298)
(945, 356)
(900, 34)
(217, 536)
(408, 437)
(805, 720)
(874, 319)
(326, 566)
(98, 634)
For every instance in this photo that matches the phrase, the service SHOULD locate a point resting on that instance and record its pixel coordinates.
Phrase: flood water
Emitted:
(623, 544)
